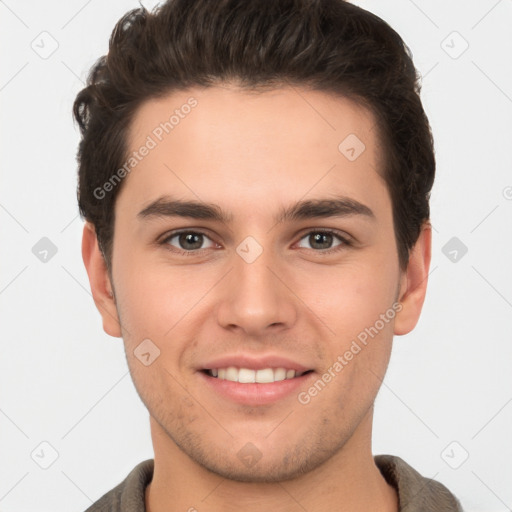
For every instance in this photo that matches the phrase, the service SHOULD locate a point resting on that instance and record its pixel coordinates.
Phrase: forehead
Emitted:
(262, 147)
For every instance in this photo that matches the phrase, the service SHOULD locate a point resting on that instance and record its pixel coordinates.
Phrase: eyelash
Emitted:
(345, 242)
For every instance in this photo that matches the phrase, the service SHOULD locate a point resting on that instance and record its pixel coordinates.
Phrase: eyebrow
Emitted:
(302, 210)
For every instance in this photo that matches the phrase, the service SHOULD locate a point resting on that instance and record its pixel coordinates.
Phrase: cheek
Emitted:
(164, 305)
(154, 300)
(350, 298)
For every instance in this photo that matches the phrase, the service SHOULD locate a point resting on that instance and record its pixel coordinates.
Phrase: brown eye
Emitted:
(188, 241)
(323, 240)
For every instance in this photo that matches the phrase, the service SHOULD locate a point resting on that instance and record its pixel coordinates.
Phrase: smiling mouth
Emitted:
(250, 376)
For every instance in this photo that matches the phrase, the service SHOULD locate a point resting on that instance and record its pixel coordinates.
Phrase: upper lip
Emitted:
(254, 362)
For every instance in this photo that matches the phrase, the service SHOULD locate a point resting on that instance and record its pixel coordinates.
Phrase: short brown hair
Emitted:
(325, 45)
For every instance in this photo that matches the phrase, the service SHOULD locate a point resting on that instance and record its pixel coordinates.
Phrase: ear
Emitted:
(101, 287)
(414, 282)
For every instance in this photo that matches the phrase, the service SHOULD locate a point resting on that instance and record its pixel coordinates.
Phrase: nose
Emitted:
(256, 298)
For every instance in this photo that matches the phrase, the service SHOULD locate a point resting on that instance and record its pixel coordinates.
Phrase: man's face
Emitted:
(258, 290)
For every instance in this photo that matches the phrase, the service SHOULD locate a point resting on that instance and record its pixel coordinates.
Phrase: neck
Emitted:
(348, 481)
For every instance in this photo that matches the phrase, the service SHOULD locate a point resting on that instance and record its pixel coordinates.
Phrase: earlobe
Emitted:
(414, 283)
(99, 280)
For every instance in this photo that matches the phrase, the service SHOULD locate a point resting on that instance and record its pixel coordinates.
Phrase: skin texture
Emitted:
(254, 154)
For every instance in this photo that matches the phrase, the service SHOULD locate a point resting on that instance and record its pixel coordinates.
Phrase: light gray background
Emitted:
(448, 392)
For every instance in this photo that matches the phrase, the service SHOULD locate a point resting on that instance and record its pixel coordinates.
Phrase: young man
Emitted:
(255, 177)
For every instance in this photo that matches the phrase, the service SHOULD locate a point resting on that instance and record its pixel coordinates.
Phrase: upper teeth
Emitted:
(246, 375)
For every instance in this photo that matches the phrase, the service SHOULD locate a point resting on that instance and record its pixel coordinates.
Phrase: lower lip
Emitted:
(256, 393)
